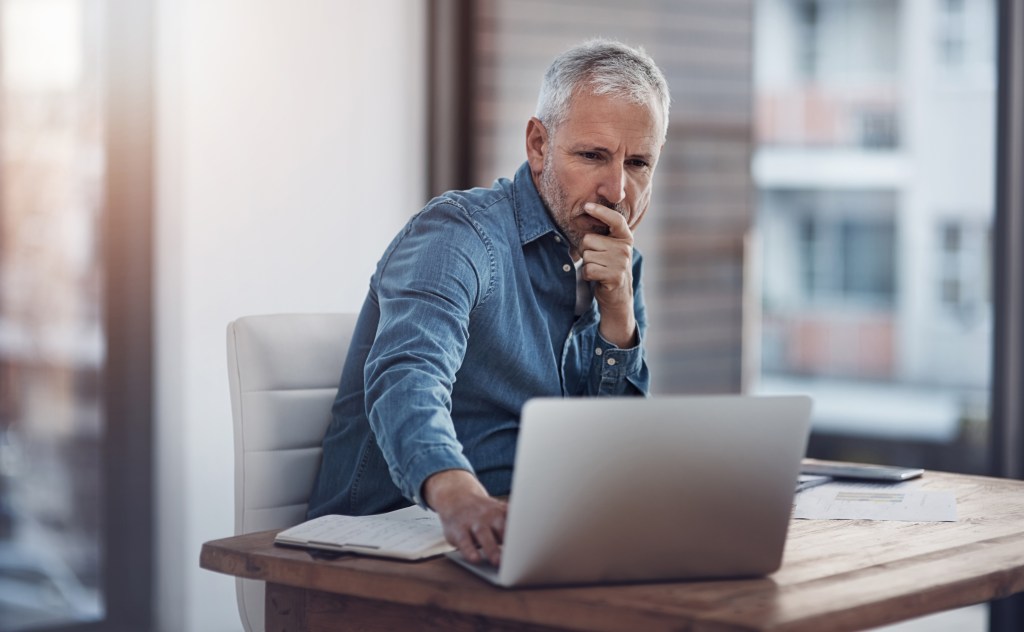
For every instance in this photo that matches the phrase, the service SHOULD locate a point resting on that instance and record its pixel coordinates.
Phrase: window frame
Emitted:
(1006, 428)
(128, 318)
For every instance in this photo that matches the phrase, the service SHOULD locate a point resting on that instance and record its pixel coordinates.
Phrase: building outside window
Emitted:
(875, 179)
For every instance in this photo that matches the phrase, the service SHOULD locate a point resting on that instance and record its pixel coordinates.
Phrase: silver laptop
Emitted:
(634, 489)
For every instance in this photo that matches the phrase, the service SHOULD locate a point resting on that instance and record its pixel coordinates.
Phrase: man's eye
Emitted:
(590, 155)
(639, 163)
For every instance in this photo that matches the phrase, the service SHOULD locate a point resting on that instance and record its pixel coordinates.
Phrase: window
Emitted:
(835, 247)
(51, 334)
(826, 73)
(951, 33)
(847, 260)
(965, 38)
(964, 277)
(807, 10)
(869, 292)
(74, 355)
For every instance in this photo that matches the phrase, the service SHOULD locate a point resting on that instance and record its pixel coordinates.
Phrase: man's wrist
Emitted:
(620, 332)
(444, 488)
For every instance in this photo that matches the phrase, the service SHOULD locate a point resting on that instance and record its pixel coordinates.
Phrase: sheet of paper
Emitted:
(850, 501)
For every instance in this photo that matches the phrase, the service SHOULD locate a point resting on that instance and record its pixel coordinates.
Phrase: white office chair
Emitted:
(283, 371)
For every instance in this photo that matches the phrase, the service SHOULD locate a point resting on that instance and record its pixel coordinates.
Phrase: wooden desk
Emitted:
(836, 575)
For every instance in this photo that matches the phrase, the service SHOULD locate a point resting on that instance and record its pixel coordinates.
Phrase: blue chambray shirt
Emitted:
(471, 312)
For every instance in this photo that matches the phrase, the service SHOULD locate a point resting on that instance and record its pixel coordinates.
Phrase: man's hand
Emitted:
(608, 260)
(473, 521)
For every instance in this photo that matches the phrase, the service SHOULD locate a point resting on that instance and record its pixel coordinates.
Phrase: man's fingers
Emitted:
(606, 251)
(606, 260)
(618, 227)
(464, 542)
(488, 542)
(477, 529)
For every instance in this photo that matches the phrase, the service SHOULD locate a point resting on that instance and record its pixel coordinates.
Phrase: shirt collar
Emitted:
(532, 216)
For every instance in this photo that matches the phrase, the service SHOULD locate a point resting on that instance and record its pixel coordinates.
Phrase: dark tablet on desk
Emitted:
(862, 471)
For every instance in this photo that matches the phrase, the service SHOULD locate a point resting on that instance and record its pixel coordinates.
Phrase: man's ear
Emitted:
(536, 145)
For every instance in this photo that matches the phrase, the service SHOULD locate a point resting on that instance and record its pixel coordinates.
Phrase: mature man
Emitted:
(489, 297)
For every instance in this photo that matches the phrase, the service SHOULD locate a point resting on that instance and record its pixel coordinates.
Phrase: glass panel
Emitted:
(51, 342)
(875, 128)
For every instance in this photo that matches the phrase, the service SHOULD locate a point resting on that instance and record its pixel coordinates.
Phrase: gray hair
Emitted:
(604, 67)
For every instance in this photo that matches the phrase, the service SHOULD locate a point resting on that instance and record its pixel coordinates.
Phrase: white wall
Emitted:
(289, 151)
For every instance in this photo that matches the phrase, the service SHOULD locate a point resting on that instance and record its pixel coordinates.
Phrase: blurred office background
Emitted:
(822, 222)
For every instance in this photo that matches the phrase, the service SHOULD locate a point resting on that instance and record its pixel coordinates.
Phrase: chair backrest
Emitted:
(283, 371)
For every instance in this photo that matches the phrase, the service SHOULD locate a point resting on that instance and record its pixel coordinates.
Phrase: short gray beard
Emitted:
(555, 198)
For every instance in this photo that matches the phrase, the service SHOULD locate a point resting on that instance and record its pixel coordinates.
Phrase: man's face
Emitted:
(605, 152)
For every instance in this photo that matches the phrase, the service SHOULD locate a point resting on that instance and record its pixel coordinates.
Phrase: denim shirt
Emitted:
(471, 311)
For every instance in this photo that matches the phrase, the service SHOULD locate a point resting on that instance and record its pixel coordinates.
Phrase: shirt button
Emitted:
(558, 239)
(611, 361)
(566, 267)
(598, 350)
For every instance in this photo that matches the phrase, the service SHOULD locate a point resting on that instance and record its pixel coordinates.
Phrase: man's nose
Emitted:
(613, 183)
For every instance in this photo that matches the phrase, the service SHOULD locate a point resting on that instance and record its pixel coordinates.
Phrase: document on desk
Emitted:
(849, 501)
(412, 533)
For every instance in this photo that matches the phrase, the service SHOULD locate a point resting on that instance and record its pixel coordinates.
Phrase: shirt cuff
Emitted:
(615, 363)
(424, 465)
